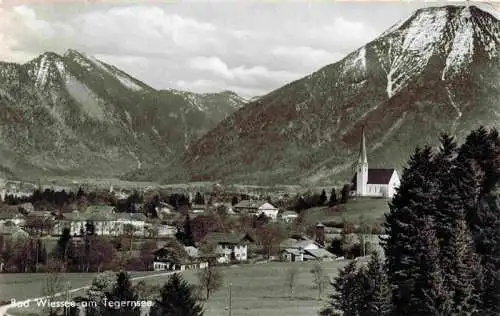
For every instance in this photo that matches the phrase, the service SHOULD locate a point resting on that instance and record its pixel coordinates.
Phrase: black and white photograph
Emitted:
(249, 158)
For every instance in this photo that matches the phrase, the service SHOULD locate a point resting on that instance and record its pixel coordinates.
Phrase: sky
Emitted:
(250, 48)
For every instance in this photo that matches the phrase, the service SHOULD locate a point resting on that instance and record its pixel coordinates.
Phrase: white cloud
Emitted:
(246, 48)
(344, 32)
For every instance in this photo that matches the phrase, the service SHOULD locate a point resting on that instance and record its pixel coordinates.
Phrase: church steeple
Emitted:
(362, 148)
(362, 168)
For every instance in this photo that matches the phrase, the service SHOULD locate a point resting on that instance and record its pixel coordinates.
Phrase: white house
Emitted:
(231, 247)
(373, 182)
(256, 208)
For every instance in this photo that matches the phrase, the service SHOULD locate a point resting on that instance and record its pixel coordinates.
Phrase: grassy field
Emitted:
(27, 285)
(258, 289)
(370, 210)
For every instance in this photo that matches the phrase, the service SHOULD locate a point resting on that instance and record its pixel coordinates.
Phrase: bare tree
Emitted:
(52, 287)
(363, 230)
(320, 279)
(129, 230)
(291, 278)
(210, 280)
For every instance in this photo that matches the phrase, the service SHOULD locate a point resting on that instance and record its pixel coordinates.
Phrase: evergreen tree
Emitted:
(481, 151)
(333, 198)
(430, 297)
(414, 200)
(198, 199)
(122, 292)
(466, 281)
(322, 198)
(345, 193)
(176, 299)
(62, 246)
(347, 296)
(234, 201)
(188, 239)
(487, 242)
(377, 294)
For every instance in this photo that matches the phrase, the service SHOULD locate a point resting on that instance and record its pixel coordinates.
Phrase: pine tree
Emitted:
(322, 198)
(414, 200)
(176, 299)
(430, 297)
(333, 198)
(377, 294)
(122, 291)
(466, 272)
(347, 296)
(481, 151)
(487, 242)
(187, 232)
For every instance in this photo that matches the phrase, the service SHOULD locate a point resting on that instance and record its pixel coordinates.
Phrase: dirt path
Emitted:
(5, 308)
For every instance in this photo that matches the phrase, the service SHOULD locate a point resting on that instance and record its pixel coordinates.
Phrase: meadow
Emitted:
(369, 210)
(258, 289)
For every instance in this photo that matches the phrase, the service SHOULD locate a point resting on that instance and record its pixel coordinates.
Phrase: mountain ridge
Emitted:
(437, 70)
(73, 114)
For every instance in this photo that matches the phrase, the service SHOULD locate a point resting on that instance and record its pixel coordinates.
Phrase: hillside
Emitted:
(75, 115)
(438, 70)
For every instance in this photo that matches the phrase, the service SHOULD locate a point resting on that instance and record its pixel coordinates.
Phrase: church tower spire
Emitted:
(362, 167)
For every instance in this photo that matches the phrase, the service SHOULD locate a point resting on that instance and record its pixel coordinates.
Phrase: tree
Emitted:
(176, 299)
(291, 278)
(198, 199)
(413, 201)
(345, 193)
(270, 236)
(320, 279)
(466, 272)
(101, 284)
(347, 296)
(322, 198)
(122, 292)
(62, 246)
(210, 280)
(129, 231)
(377, 294)
(186, 235)
(333, 198)
(52, 287)
(234, 201)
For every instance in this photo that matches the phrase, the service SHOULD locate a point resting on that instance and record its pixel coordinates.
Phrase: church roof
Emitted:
(377, 176)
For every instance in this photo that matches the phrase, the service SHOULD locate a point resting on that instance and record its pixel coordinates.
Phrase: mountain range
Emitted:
(74, 115)
(435, 71)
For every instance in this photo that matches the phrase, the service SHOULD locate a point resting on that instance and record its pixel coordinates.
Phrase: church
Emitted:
(372, 182)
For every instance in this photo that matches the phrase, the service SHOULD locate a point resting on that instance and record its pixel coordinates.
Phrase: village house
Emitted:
(256, 208)
(229, 246)
(13, 215)
(289, 216)
(105, 220)
(300, 248)
(373, 182)
(166, 260)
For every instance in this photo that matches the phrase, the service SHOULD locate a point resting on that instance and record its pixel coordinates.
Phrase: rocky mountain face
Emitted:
(75, 115)
(436, 71)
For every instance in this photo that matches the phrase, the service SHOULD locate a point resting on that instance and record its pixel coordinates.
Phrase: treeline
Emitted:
(442, 251)
(90, 253)
(174, 297)
(309, 200)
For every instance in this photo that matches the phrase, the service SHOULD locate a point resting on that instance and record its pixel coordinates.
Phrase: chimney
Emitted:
(320, 234)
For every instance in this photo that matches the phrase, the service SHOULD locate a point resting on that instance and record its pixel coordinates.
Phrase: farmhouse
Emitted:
(373, 182)
(231, 247)
(299, 248)
(256, 208)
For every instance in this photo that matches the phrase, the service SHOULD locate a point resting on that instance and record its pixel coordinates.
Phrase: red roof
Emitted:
(377, 176)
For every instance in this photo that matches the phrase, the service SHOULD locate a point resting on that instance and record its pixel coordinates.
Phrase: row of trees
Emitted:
(442, 253)
(175, 298)
(308, 200)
